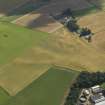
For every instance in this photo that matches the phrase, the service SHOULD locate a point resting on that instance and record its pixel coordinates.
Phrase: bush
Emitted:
(72, 26)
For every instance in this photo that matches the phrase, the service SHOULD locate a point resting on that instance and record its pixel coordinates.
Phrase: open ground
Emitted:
(49, 89)
(96, 23)
(37, 51)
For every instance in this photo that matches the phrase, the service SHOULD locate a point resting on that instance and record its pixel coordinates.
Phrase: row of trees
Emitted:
(84, 80)
(72, 25)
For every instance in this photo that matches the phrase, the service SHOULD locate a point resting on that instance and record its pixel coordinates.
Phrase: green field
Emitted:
(49, 89)
(14, 40)
(4, 96)
(31, 53)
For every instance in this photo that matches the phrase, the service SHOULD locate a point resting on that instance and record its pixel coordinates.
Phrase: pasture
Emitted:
(15, 41)
(49, 89)
(26, 55)
(22, 9)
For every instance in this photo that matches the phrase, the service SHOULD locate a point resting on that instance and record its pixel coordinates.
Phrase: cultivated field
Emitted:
(7, 5)
(98, 3)
(14, 75)
(49, 89)
(27, 54)
(22, 9)
(96, 23)
(35, 19)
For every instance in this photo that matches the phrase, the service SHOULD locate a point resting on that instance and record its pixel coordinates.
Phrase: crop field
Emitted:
(49, 89)
(96, 23)
(7, 5)
(4, 96)
(23, 62)
(36, 50)
(35, 19)
(25, 8)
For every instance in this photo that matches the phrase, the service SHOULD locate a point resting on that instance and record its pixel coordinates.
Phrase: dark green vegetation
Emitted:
(84, 80)
(49, 89)
(71, 24)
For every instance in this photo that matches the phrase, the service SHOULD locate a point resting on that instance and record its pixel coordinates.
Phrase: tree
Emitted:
(85, 32)
(72, 26)
(67, 12)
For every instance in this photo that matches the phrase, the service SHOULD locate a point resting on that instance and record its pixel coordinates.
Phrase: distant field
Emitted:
(34, 20)
(49, 89)
(7, 5)
(96, 23)
(14, 40)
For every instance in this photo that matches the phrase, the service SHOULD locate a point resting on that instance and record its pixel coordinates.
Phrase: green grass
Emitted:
(4, 96)
(49, 89)
(14, 40)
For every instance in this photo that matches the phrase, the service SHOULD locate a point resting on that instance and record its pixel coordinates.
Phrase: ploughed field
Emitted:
(50, 88)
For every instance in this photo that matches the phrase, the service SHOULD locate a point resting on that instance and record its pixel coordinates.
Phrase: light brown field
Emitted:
(96, 23)
(41, 18)
(61, 48)
(43, 23)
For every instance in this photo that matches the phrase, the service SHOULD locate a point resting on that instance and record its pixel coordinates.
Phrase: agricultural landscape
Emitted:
(40, 57)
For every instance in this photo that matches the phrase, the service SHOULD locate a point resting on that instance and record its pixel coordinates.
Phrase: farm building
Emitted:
(97, 98)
